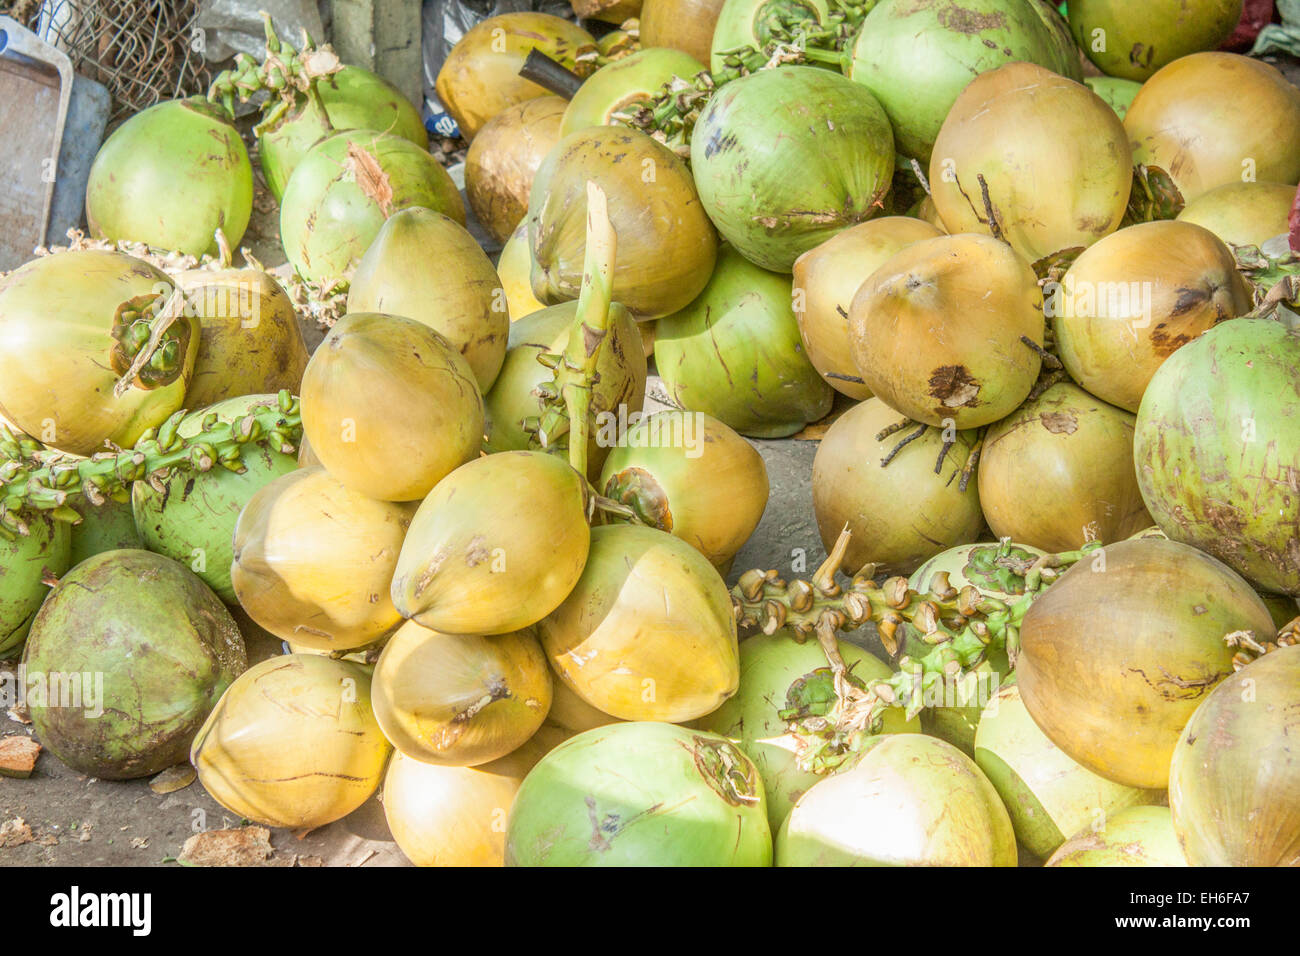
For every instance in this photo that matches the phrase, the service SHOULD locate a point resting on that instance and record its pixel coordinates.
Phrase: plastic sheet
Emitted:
(235, 26)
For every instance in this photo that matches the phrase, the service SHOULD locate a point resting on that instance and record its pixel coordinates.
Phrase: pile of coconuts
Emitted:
(1030, 274)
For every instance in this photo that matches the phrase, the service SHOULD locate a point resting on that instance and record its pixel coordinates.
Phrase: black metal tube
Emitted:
(551, 74)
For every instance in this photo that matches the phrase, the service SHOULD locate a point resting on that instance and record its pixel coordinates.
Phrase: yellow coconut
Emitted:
(480, 77)
(460, 298)
(1215, 118)
(648, 632)
(250, 341)
(1243, 214)
(314, 561)
(947, 330)
(503, 159)
(685, 25)
(460, 700)
(690, 475)
(1135, 298)
(850, 487)
(496, 546)
(390, 406)
(827, 277)
(515, 270)
(1053, 155)
(293, 743)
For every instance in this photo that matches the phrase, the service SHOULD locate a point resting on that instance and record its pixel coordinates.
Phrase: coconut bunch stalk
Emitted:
(286, 73)
(33, 479)
(960, 627)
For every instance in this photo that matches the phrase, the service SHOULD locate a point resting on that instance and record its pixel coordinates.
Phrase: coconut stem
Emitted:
(33, 481)
(285, 73)
(959, 626)
(568, 401)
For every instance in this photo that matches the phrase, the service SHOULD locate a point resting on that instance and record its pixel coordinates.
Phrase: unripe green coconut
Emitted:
(639, 794)
(735, 353)
(134, 651)
(192, 519)
(171, 176)
(346, 188)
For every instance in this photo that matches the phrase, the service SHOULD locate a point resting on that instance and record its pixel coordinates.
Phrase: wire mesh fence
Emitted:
(143, 51)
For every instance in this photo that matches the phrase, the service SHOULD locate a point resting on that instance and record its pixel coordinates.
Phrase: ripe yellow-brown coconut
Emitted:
(293, 743)
(648, 632)
(503, 159)
(496, 546)
(1214, 118)
(851, 488)
(1053, 155)
(250, 342)
(1135, 298)
(460, 700)
(390, 406)
(939, 331)
(1058, 472)
(827, 277)
(313, 561)
(427, 267)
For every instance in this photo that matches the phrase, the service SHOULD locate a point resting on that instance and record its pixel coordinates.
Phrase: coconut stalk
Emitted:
(961, 628)
(565, 421)
(34, 479)
(286, 73)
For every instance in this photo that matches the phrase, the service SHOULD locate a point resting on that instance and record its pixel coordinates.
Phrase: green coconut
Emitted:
(909, 800)
(641, 794)
(624, 85)
(787, 692)
(27, 560)
(1217, 450)
(916, 58)
(621, 367)
(354, 98)
(134, 651)
(784, 159)
(171, 176)
(463, 300)
(1137, 836)
(735, 353)
(1048, 796)
(343, 191)
(106, 527)
(1133, 40)
(191, 519)
(1116, 91)
(996, 570)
